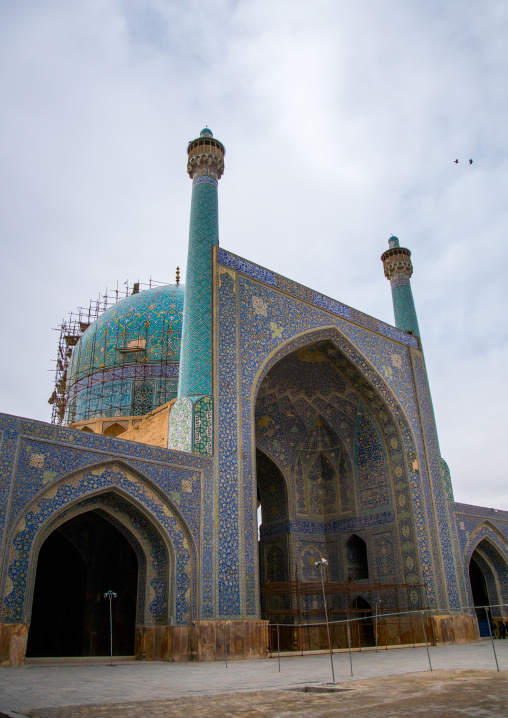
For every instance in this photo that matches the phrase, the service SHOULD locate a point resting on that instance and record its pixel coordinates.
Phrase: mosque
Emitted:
(178, 412)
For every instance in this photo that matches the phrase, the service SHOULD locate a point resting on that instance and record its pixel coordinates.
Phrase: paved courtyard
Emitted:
(392, 683)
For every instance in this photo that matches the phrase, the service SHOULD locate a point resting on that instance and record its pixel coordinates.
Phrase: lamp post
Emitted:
(111, 595)
(321, 564)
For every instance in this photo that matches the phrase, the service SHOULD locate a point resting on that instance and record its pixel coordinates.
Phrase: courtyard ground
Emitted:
(387, 684)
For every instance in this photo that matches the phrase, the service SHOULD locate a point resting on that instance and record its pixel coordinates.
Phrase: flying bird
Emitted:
(456, 162)
(470, 162)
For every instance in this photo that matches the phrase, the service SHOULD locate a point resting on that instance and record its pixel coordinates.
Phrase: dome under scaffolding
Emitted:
(119, 356)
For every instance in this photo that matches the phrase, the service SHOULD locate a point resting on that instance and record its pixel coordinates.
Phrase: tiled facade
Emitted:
(287, 397)
(50, 473)
(263, 320)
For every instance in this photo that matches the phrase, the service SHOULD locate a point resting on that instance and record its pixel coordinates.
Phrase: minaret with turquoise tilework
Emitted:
(398, 269)
(190, 427)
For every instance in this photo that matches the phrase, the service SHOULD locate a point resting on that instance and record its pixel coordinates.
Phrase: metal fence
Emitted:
(367, 633)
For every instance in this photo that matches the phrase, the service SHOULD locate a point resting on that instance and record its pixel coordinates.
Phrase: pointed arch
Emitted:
(399, 494)
(114, 430)
(145, 503)
(489, 549)
(309, 554)
(357, 565)
(80, 560)
(155, 554)
(486, 530)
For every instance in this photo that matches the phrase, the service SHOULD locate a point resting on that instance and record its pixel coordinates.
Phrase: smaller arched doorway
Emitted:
(78, 562)
(357, 566)
(488, 577)
(273, 531)
(362, 628)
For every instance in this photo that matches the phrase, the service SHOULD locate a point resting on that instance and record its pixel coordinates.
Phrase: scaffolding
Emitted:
(64, 397)
(295, 605)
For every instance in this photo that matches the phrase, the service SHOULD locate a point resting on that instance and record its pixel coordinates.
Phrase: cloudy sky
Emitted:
(341, 120)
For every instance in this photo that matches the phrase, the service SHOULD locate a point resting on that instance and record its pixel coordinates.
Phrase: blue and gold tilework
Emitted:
(274, 319)
(63, 493)
(229, 579)
(50, 471)
(180, 425)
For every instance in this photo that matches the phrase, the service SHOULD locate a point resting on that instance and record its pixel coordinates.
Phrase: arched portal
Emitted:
(78, 562)
(345, 464)
(488, 577)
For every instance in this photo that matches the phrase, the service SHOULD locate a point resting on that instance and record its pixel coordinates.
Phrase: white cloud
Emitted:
(341, 123)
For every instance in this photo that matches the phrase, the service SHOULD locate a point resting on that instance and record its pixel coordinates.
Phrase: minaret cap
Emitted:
(397, 261)
(205, 156)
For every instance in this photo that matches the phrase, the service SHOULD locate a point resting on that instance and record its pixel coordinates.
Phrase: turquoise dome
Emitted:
(145, 328)
(206, 132)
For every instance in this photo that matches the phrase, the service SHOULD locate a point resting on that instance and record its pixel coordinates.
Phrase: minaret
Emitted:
(205, 166)
(398, 269)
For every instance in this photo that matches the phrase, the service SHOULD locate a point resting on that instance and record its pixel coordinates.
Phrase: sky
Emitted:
(341, 122)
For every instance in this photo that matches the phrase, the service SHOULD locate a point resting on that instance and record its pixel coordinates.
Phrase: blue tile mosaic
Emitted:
(196, 362)
(61, 494)
(261, 333)
(137, 338)
(228, 550)
(261, 274)
(47, 472)
(331, 305)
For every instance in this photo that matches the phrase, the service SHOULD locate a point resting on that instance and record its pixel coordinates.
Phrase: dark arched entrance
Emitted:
(362, 629)
(77, 564)
(357, 566)
(273, 546)
(478, 584)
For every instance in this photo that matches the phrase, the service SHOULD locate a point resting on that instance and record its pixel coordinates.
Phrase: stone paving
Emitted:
(445, 694)
(464, 682)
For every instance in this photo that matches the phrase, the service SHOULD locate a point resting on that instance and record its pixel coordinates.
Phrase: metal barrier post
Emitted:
(349, 646)
(187, 646)
(426, 644)
(491, 637)
(321, 564)
(226, 643)
(110, 595)
(377, 604)
(278, 645)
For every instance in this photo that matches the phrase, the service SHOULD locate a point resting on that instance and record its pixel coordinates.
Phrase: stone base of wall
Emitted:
(454, 629)
(13, 638)
(203, 641)
(439, 630)
(242, 640)
(396, 630)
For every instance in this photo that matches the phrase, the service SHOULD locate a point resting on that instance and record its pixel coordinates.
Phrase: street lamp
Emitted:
(111, 595)
(322, 563)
